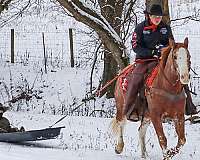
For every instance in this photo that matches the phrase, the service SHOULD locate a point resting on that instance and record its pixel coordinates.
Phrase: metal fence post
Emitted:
(45, 55)
(71, 47)
(12, 45)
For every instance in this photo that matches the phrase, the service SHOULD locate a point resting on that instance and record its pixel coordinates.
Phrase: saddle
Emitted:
(140, 107)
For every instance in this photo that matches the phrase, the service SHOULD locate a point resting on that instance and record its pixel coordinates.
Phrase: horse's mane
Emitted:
(164, 55)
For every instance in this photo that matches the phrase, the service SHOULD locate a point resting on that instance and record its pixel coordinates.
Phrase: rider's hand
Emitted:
(156, 52)
(159, 46)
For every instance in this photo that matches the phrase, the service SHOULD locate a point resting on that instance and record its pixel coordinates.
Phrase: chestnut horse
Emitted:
(166, 100)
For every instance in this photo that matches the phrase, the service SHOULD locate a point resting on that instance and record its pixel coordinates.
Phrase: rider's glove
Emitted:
(156, 52)
(159, 47)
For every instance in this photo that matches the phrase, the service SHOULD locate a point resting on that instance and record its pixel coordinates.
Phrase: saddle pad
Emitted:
(124, 84)
(123, 78)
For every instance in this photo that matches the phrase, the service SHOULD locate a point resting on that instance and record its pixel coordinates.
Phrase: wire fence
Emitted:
(29, 48)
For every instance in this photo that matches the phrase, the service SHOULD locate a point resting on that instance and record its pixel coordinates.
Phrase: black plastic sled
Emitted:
(32, 135)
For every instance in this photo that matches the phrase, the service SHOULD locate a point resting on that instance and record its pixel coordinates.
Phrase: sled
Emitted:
(32, 135)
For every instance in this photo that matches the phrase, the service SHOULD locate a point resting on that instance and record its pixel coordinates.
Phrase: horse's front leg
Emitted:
(180, 130)
(142, 135)
(157, 123)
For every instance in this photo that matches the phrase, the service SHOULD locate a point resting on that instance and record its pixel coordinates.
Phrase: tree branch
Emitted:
(106, 33)
(185, 18)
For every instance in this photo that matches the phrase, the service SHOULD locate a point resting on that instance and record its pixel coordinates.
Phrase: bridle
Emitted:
(175, 68)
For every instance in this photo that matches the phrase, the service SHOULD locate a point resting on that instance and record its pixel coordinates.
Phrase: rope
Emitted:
(66, 115)
(97, 93)
(123, 71)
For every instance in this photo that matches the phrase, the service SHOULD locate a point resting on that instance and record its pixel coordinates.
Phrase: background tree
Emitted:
(108, 26)
(110, 19)
(107, 18)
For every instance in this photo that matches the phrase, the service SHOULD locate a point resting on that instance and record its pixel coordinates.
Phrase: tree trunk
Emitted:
(106, 24)
(166, 19)
(110, 10)
(109, 72)
(150, 2)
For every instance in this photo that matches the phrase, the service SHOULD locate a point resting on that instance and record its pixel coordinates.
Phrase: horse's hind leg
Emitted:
(118, 129)
(142, 134)
(119, 121)
(120, 142)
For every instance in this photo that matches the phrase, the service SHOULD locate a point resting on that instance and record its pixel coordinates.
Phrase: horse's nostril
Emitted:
(182, 77)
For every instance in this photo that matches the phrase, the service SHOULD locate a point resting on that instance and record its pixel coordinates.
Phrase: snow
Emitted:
(86, 138)
(63, 88)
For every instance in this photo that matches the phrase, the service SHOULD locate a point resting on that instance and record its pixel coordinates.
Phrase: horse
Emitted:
(165, 100)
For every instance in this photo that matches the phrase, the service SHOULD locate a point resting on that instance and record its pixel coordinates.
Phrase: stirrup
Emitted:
(193, 119)
(133, 118)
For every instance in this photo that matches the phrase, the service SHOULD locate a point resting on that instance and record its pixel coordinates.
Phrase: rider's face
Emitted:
(155, 19)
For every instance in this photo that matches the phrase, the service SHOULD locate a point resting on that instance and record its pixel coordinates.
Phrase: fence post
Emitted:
(71, 47)
(45, 56)
(12, 45)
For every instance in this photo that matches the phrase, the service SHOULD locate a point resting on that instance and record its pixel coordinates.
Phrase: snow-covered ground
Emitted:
(89, 138)
(61, 90)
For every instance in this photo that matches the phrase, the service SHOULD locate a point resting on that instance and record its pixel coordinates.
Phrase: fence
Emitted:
(29, 46)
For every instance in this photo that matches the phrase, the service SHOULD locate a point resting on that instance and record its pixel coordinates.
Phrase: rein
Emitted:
(97, 93)
(163, 72)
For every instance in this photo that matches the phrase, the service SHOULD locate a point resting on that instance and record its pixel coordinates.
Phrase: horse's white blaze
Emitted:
(182, 62)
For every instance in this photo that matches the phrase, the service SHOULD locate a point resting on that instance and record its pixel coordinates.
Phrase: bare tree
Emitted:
(108, 18)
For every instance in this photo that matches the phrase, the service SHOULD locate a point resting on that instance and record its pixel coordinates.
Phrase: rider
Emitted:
(5, 124)
(149, 36)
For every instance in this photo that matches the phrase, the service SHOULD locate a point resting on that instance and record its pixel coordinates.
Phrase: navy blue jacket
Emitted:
(144, 40)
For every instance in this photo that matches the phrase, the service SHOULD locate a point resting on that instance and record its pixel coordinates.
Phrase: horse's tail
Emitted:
(116, 126)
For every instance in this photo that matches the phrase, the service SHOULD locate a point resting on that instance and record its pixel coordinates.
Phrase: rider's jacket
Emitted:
(146, 37)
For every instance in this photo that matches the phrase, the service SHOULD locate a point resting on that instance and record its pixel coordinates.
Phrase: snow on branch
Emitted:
(92, 16)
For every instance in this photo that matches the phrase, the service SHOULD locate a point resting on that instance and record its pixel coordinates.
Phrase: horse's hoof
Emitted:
(117, 152)
(144, 155)
(119, 148)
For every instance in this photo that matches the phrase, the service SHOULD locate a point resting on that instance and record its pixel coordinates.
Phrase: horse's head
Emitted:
(181, 59)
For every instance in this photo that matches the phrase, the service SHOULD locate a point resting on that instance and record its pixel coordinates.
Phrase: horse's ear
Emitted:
(186, 42)
(171, 43)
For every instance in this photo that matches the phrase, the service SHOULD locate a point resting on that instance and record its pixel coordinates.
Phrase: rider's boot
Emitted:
(190, 108)
(132, 92)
